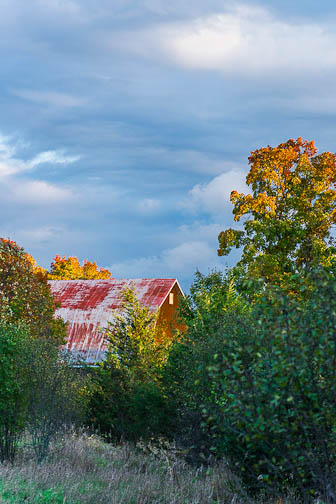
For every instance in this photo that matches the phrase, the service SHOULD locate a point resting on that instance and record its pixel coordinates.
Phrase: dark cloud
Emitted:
(154, 119)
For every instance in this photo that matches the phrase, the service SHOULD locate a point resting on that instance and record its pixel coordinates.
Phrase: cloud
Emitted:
(67, 7)
(6, 149)
(190, 160)
(214, 197)
(20, 187)
(245, 40)
(183, 260)
(10, 164)
(38, 235)
(50, 98)
(195, 248)
(52, 157)
(39, 192)
(148, 206)
(188, 256)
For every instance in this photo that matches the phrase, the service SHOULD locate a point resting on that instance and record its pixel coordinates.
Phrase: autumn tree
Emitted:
(25, 295)
(288, 217)
(69, 268)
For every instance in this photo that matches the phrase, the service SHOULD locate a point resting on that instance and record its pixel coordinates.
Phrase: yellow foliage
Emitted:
(289, 212)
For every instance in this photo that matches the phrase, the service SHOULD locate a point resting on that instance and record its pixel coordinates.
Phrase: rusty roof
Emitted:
(88, 305)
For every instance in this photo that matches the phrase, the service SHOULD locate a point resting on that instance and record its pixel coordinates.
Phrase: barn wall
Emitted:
(168, 312)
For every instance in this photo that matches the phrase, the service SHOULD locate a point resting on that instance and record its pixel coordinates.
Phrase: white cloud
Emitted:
(200, 231)
(10, 164)
(29, 190)
(37, 235)
(6, 149)
(193, 247)
(148, 206)
(244, 40)
(182, 260)
(39, 192)
(214, 197)
(50, 98)
(189, 256)
(52, 157)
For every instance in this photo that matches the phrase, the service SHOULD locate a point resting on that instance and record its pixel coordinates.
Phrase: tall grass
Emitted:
(83, 469)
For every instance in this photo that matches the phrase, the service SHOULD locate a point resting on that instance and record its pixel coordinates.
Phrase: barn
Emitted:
(88, 305)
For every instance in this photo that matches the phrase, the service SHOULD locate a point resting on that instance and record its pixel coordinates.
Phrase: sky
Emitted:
(125, 124)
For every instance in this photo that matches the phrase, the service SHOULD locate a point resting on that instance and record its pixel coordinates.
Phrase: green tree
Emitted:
(288, 217)
(206, 312)
(136, 341)
(13, 343)
(128, 401)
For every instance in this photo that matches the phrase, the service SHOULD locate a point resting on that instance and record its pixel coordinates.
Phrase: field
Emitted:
(83, 469)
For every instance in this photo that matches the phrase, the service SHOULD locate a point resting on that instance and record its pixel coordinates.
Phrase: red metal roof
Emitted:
(87, 306)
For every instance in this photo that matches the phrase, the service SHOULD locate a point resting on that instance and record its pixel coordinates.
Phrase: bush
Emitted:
(123, 410)
(57, 394)
(273, 406)
(40, 390)
(261, 382)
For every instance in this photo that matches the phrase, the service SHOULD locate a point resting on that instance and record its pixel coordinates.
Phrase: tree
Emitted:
(128, 402)
(289, 215)
(25, 295)
(208, 313)
(69, 268)
(13, 342)
(137, 343)
(56, 393)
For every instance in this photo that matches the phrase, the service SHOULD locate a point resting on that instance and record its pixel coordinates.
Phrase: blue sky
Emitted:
(125, 126)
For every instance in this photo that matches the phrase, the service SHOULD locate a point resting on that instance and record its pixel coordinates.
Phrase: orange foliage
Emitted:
(69, 268)
(290, 212)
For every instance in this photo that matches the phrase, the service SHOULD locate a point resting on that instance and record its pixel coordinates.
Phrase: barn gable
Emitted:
(88, 305)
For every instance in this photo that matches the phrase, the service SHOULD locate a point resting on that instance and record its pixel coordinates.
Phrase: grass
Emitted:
(84, 469)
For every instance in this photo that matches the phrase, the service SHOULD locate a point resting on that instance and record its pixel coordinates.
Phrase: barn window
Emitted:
(171, 298)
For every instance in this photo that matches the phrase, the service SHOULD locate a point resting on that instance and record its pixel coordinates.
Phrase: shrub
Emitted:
(257, 384)
(56, 392)
(272, 411)
(123, 410)
(40, 390)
